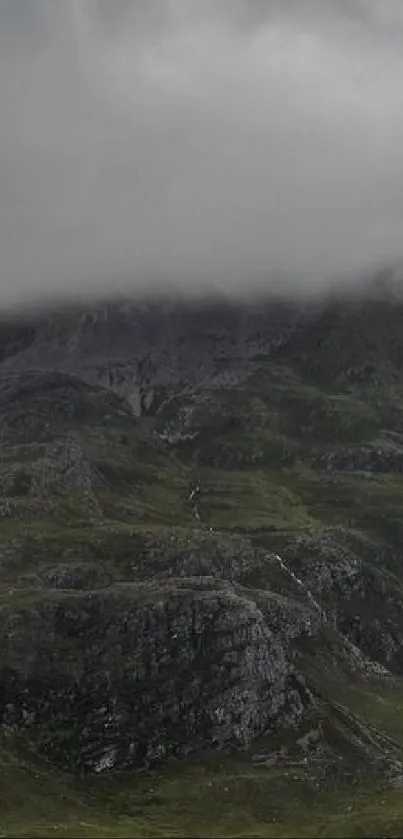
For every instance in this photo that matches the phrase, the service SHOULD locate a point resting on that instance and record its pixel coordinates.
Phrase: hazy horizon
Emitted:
(197, 145)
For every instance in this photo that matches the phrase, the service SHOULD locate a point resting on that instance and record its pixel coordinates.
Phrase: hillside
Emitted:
(201, 569)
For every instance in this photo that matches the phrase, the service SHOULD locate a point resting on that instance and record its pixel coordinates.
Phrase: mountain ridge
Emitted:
(201, 535)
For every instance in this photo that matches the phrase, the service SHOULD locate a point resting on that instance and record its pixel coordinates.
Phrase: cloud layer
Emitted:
(197, 143)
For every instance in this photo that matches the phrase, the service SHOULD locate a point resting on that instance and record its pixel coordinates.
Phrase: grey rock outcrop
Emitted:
(125, 676)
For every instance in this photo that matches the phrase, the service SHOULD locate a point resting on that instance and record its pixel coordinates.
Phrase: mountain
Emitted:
(201, 567)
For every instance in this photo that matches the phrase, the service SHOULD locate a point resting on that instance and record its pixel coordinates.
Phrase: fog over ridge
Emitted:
(197, 144)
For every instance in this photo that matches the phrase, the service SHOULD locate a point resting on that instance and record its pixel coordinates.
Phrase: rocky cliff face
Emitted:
(144, 354)
(128, 675)
(195, 502)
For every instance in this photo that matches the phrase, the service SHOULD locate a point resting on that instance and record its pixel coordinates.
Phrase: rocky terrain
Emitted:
(201, 525)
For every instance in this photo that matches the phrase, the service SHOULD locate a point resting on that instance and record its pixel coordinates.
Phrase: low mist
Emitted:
(197, 145)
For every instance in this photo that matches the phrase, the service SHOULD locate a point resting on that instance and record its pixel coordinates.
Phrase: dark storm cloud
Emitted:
(197, 143)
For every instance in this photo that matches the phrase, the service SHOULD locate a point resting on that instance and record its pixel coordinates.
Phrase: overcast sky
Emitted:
(149, 143)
